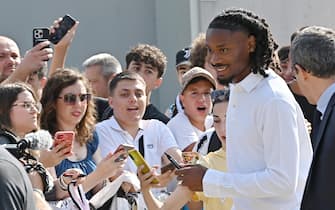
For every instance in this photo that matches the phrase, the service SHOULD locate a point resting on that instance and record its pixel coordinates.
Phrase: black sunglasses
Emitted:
(71, 98)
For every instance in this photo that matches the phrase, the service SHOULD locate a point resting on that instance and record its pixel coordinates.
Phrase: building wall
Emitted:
(114, 26)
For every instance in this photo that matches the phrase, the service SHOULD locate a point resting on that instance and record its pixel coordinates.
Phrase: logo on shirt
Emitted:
(150, 146)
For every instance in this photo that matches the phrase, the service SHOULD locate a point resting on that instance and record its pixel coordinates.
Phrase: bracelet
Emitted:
(62, 184)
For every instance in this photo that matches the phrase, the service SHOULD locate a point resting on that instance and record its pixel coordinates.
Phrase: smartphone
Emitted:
(61, 136)
(139, 160)
(173, 161)
(40, 35)
(125, 147)
(64, 25)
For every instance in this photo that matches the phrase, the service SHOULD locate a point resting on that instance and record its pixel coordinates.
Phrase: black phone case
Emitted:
(66, 23)
(40, 35)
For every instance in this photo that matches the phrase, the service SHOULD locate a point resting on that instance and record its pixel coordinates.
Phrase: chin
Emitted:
(224, 81)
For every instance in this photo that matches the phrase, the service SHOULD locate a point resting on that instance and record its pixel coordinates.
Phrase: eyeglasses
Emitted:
(29, 105)
(71, 98)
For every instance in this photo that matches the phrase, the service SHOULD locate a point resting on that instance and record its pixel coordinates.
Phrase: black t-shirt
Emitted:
(307, 108)
(16, 191)
(151, 112)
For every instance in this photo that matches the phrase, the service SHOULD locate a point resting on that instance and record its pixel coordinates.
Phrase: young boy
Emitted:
(188, 126)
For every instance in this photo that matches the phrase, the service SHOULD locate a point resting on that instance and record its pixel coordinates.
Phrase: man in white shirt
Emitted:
(268, 146)
(128, 100)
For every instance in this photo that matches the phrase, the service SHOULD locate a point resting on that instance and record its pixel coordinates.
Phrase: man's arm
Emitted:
(32, 61)
(281, 156)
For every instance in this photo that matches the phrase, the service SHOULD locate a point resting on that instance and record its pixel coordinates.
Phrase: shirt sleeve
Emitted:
(182, 131)
(279, 134)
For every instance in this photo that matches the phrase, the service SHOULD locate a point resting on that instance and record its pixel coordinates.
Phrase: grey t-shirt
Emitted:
(16, 191)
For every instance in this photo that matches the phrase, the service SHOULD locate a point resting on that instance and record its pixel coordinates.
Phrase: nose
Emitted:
(132, 98)
(213, 58)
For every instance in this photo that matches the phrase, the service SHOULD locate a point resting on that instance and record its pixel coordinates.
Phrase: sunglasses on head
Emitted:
(71, 98)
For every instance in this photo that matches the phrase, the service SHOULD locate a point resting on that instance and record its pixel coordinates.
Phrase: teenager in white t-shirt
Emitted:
(188, 126)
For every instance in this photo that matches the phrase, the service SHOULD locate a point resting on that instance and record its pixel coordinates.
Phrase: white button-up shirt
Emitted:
(268, 147)
(157, 139)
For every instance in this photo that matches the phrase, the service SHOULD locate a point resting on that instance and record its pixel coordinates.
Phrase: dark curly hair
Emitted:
(148, 54)
(243, 20)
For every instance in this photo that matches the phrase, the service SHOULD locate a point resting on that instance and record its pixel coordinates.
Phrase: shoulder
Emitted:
(151, 112)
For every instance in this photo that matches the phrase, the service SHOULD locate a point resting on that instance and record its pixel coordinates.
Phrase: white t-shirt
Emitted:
(157, 139)
(183, 130)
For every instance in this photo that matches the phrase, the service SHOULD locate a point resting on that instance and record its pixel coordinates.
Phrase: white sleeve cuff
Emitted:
(215, 183)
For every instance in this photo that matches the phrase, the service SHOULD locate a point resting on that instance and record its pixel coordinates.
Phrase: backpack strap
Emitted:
(141, 145)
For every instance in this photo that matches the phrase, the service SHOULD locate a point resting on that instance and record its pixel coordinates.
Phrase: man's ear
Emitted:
(158, 82)
(251, 43)
(302, 71)
(43, 81)
(110, 101)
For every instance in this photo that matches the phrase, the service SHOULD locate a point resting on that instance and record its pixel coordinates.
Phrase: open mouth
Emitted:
(132, 109)
(221, 68)
(201, 108)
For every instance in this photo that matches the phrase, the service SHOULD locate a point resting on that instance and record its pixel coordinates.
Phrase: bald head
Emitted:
(9, 57)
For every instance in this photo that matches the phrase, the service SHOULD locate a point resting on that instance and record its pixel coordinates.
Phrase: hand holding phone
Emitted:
(65, 25)
(40, 35)
(64, 136)
(125, 147)
(173, 161)
(139, 160)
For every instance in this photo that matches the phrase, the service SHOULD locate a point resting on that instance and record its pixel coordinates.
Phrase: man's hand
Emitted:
(191, 176)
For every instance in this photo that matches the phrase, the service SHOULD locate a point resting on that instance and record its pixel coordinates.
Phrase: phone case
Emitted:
(61, 136)
(40, 35)
(139, 160)
(66, 23)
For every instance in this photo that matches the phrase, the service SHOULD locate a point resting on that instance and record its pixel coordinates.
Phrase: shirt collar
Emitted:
(115, 125)
(324, 99)
(249, 82)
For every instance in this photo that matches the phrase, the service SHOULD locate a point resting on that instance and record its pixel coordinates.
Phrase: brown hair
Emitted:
(148, 54)
(61, 79)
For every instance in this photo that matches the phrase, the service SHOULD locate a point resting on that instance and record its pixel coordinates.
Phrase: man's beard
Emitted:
(224, 81)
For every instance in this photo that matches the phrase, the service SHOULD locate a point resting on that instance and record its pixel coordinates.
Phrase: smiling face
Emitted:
(219, 118)
(128, 101)
(196, 100)
(23, 114)
(69, 115)
(229, 53)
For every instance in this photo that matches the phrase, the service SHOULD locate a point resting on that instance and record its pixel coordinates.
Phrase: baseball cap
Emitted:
(196, 72)
(183, 56)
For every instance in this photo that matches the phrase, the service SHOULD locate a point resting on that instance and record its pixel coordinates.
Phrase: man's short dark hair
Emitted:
(126, 75)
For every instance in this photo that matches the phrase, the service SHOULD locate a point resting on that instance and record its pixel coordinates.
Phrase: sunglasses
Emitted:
(71, 98)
